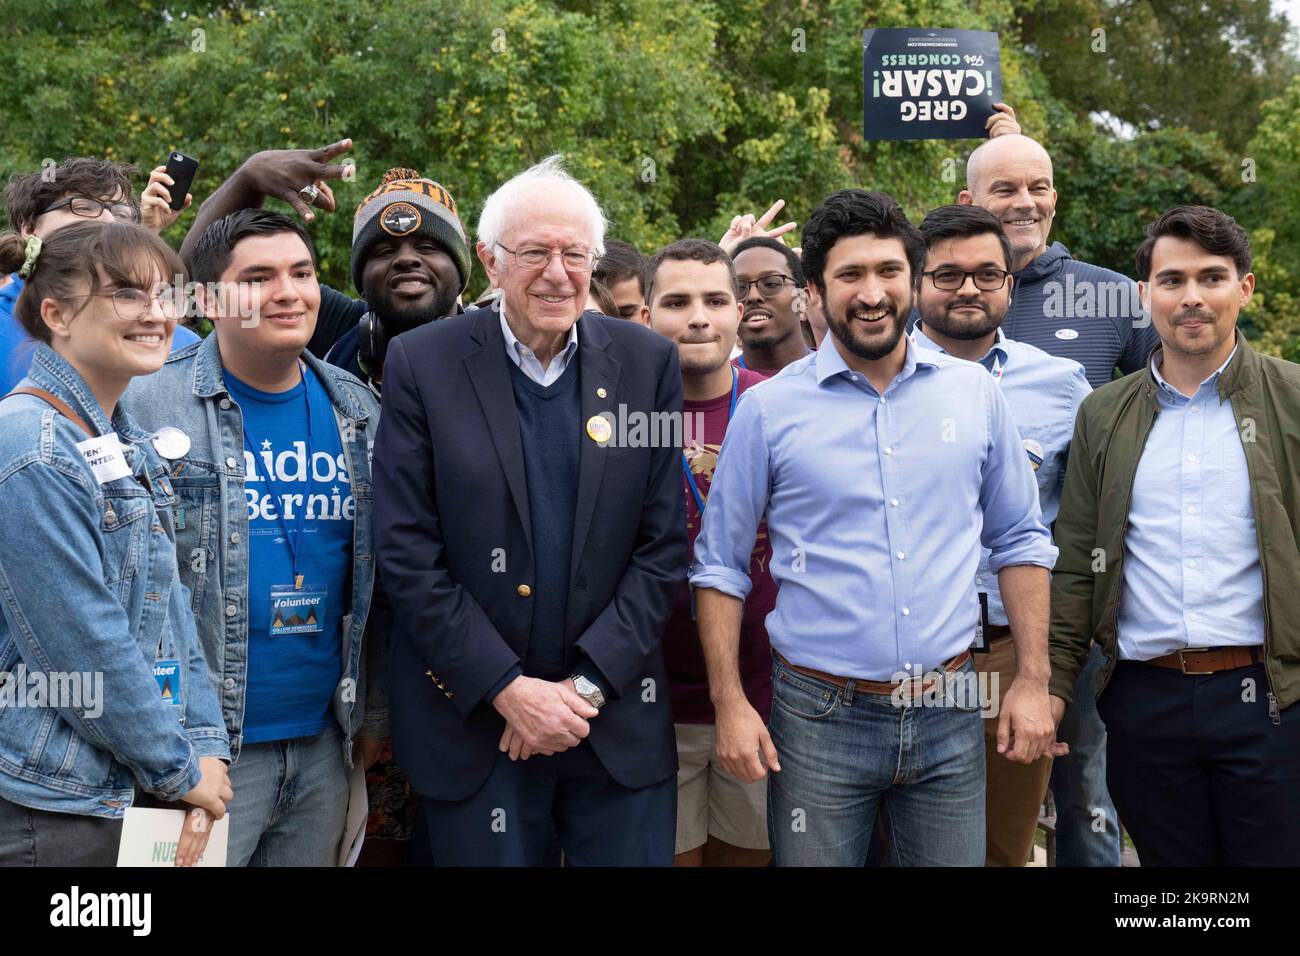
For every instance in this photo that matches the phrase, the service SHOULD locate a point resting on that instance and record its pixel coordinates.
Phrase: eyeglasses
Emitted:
(950, 280)
(132, 304)
(88, 208)
(768, 286)
(535, 257)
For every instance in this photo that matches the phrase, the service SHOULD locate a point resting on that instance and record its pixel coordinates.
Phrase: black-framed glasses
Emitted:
(132, 304)
(768, 285)
(88, 208)
(950, 280)
(535, 257)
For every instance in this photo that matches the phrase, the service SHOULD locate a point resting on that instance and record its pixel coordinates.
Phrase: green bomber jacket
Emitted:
(1109, 436)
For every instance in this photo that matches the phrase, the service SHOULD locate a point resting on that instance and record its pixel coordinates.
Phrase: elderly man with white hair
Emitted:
(531, 537)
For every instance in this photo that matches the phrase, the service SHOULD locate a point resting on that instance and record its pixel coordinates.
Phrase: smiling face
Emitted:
(967, 313)
(269, 302)
(695, 306)
(1194, 297)
(1011, 177)
(108, 339)
(868, 294)
(544, 301)
(409, 281)
(768, 322)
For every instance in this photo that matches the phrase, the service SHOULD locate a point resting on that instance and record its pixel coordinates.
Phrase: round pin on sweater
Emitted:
(170, 442)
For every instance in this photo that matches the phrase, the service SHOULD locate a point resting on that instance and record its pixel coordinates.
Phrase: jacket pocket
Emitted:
(124, 526)
(195, 520)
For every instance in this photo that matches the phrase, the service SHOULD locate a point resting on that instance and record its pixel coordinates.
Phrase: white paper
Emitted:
(149, 838)
(354, 833)
(104, 456)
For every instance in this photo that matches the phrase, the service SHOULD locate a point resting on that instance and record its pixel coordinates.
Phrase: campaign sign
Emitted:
(929, 84)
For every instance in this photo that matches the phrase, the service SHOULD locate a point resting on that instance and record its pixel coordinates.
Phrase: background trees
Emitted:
(679, 115)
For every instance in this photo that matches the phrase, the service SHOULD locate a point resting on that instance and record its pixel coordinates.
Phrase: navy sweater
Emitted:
(550, 428)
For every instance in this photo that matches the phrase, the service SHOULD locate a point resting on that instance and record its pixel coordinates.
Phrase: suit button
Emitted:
(524, 590)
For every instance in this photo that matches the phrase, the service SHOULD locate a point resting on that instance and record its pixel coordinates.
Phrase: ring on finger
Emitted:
(309, 193)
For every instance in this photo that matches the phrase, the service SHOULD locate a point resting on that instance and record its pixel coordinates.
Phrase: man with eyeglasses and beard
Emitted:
(771, 283)
(880, 468)
(962, 297)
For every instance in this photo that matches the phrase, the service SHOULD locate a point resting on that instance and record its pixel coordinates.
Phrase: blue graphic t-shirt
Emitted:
(17, 347)
(294, 648)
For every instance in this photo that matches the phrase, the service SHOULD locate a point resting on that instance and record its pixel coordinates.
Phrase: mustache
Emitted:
(1193, 315)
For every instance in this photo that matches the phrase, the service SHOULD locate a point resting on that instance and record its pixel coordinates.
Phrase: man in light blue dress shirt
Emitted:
(1180, 557)
(962, 297)
(880, 469)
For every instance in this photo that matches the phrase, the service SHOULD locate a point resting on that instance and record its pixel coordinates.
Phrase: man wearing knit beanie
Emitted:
(410, 259)
(410, 262)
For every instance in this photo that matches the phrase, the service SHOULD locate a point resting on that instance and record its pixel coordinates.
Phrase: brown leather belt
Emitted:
(920, 684)
(1207, 660)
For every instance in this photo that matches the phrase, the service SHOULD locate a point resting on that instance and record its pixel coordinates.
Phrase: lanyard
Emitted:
(293, 540)
(686, 465)
(740, 361)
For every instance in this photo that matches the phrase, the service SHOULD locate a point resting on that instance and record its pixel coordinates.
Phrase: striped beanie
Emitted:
(406, 204)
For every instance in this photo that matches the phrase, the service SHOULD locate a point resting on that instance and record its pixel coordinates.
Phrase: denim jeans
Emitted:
(291, 802)
(845, 755)
(1079, 780)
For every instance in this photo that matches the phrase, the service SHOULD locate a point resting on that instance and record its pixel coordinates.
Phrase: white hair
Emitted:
(544, 178)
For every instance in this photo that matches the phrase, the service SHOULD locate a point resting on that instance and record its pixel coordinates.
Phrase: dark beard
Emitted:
(937, 319)
(842, 329)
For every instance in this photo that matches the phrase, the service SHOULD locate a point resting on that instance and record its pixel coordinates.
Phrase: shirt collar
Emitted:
(994, 360)
(1158, 356)
(831, 363)
(518, 350)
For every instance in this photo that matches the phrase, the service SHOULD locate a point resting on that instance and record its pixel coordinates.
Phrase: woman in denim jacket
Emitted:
(103, 689)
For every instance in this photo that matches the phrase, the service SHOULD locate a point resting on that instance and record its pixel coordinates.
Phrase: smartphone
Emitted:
(181, 169)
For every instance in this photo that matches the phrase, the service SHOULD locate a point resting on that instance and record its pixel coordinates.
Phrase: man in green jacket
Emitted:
(1178, 534)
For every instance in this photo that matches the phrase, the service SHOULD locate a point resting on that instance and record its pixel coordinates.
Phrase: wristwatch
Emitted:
(588, 691)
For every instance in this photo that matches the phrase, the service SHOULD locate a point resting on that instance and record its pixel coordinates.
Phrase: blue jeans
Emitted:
(1087, 833)
(845, 755)
(291, 802)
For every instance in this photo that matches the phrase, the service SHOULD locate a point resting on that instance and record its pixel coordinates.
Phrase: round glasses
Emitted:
(132, 304)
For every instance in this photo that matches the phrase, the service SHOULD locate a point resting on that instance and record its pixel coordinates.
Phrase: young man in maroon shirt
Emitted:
(691, 296)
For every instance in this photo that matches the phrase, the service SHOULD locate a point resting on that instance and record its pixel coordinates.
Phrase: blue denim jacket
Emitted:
(89, 586)
(188, 392)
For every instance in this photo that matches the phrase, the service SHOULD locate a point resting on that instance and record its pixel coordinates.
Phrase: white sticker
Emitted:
(1066, 334)
(104, 456)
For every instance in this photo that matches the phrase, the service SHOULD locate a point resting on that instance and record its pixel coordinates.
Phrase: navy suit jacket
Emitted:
(453, 538)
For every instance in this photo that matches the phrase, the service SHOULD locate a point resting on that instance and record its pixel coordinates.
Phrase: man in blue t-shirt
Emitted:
(41, 202)
(270, 462)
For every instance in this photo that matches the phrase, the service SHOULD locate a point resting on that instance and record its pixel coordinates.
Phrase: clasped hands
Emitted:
(542, 717)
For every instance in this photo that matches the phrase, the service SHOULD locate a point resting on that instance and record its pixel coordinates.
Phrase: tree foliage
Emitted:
(677, 115)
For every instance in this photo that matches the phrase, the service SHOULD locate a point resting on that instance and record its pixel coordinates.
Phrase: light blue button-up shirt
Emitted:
(523, 356)
(1043, 392)
(1191, 560)
(876, 506)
